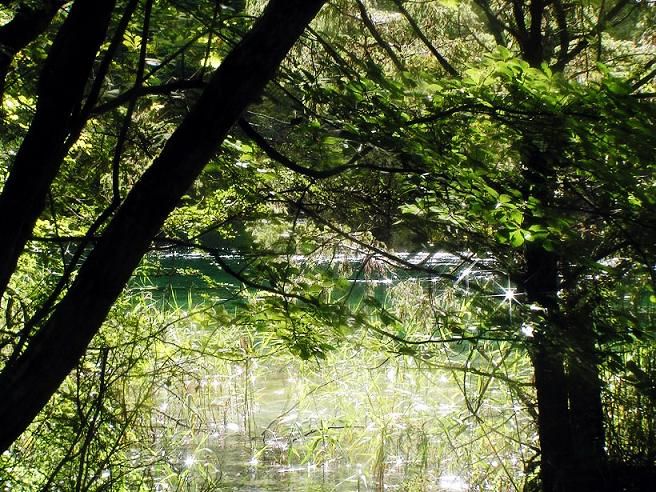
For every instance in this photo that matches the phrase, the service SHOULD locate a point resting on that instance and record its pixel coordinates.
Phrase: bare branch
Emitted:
(379, 39)
(563, 28)
(443, 61)
(351, 165)
(494, 23)
(601, 24)
(137, 92)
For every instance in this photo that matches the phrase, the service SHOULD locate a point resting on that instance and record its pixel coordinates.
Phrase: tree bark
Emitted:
(570, 418)
(541, 284)
(28, 23)
(586, 410)
(60, 91)
(27, 385)
(553, 415)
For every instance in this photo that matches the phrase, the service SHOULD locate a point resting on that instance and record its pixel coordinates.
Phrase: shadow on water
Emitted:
(177, 273)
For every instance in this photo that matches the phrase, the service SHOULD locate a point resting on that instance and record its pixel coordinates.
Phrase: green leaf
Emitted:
(504, 53)
(537, 228)
(516, 216)
(516, 238)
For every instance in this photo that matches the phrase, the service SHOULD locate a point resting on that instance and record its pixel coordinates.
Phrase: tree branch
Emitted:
(379, 39)
(604, 19)
(60, 91)
(563, 28)
(103, 68)
(351, 165)
(494, 23)
(442, 61)
(29, 383)
(30, 21)
(645, 79)
(137, 92)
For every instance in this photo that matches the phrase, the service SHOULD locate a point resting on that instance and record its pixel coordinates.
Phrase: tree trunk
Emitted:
(570, 416)
(27, 385)
(29, 22)
(541, 284)
(586, 410)
(570, 411)
(39, 158)
(553, 417)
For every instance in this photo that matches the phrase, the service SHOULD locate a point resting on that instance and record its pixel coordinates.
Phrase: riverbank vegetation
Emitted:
(429, 227)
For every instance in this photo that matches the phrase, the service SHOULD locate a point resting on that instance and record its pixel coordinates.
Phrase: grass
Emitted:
(198, 396)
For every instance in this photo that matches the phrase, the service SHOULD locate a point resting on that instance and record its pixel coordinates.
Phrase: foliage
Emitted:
(367, 147)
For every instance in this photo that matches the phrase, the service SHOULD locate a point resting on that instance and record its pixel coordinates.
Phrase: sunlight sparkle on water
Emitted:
(527, 329)
(420, 406)
(509, 295)
(232, 427)
(453, 483)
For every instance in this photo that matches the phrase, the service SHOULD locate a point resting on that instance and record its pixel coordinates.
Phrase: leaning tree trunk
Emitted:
(29, 22)
(60, 90)
(27, 385)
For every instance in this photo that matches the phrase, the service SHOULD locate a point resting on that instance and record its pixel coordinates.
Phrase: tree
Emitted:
(531, 154)
(27, 24)
(61, 86)
(522, 181)
(33, 375)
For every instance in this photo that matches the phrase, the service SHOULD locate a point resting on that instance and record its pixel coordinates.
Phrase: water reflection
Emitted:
(272, 427)
(456, 418)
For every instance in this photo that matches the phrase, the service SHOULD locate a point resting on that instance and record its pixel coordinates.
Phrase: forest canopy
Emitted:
(464, 184)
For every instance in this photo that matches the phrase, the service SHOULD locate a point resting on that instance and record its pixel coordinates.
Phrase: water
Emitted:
(176, 272)
(361, 420)
(339, 427)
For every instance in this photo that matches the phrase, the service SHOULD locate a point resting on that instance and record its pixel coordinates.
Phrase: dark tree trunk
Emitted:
(27, 385)
(554, 430)
(39, 158)
(570, 419)
(29, 22)
(541, 284)
(553, 416)
(586, 410)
